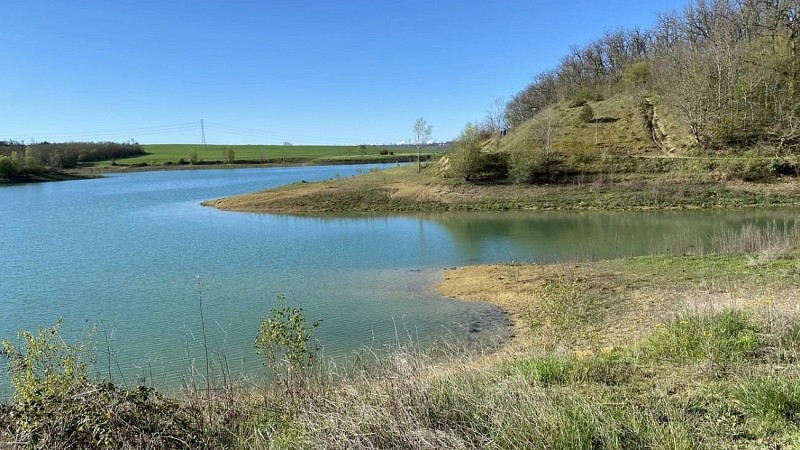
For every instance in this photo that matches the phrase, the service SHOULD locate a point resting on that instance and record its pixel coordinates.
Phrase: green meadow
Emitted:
(161, 154)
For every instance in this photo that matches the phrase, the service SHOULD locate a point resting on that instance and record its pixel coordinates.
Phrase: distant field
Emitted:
(174, 153)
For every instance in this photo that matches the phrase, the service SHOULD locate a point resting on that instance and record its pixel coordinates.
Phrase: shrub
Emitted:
(584, 96)
(286, 341)
(637, 75)
(58, 406)
(8, 169)
(45, 365)
(749, 169)
(536, 158)
(586, 114)
(468, 158)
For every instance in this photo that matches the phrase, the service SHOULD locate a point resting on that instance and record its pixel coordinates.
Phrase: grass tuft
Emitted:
(772, 404)
(729, 336)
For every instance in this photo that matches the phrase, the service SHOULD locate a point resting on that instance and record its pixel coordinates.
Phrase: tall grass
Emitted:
(764, 244)
(441, 397)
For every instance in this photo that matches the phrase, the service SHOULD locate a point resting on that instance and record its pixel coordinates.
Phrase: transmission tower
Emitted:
(202, 132)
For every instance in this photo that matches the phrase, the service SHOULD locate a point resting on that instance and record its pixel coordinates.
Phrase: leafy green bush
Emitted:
(586, 114)
(44, 364)
(8, 169)
(56, 404)
(467, 156)
(287, 342)
(584, 96)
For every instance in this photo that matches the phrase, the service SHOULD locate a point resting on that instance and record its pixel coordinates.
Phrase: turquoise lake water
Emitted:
(135, 252)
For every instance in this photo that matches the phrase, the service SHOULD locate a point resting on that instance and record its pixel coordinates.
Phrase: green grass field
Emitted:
(158, 154)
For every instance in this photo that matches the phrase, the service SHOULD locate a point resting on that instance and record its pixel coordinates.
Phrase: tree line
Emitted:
(728, 68)
(16, 157)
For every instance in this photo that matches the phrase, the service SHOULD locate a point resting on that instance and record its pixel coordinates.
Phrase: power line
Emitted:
(138, 132)
(117, 133)
(251, 132)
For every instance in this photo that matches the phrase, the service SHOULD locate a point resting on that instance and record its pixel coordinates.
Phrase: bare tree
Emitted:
(422, 133)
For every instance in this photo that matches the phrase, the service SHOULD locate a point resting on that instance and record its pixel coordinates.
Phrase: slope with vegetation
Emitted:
(714, 82)
(703, 110)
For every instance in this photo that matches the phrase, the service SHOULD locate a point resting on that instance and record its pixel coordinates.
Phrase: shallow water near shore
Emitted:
(137, 254)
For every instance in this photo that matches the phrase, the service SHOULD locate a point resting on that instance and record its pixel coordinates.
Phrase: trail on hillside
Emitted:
(658, 132)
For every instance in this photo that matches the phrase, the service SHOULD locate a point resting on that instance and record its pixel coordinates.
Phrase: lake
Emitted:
(136, 254)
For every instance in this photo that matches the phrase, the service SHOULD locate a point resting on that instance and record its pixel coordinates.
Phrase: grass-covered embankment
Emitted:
(662, 352)
(404, 190)
(194, 156)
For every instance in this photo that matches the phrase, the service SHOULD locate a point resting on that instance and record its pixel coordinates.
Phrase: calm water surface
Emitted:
(135, 253)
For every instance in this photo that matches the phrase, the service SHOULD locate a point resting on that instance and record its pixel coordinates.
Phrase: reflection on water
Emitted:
(126, 252)
(558, 236)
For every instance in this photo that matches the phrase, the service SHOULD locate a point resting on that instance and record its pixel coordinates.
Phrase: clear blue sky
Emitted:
(308, 72)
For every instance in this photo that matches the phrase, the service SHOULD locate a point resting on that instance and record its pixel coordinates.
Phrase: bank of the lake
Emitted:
(46, 176)
(403, 190)
(665, 352)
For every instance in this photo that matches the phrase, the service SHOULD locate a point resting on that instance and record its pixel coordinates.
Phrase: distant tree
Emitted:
(287, 144)
(192, 156)
(228, 156)
(422, 133)
(362, 149)
(7, 168)
(18, 159)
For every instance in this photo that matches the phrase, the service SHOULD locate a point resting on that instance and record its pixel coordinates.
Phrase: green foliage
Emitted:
(44, 365)
(8, 168)
(467, 157)
(57, 405)
(638, 74)
(583, 96)
(535, 157)
(749, 169)
(586, 114)
(193, 156)
(67, 154)
(725, 337)
(286, 341)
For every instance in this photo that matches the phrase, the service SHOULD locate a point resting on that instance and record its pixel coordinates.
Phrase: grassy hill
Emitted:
(617, 124)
